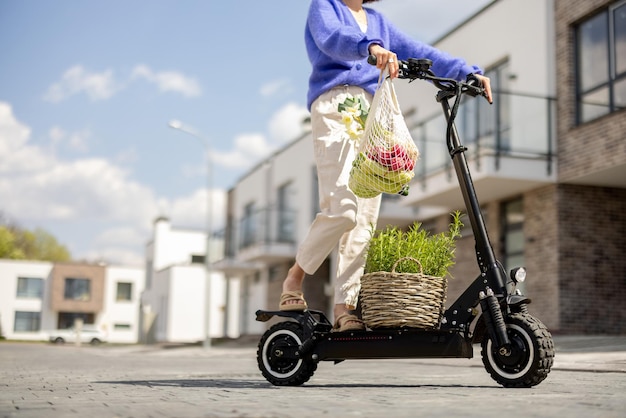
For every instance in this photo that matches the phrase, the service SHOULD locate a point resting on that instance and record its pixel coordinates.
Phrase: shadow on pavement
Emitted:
(261, 384)
(195, 383)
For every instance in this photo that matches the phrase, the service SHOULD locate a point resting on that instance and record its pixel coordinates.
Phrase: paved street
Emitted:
(37, 380)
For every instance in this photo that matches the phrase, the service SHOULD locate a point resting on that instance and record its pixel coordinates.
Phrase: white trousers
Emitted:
(344, 219)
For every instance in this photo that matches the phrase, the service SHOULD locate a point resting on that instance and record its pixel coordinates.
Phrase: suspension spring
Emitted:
(494, 320)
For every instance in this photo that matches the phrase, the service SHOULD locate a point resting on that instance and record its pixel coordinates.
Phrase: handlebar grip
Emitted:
(472, 80)
(371, 60)
(475, 86)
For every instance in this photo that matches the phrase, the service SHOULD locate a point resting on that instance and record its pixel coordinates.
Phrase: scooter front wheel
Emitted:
(278, 358)
(530, 357)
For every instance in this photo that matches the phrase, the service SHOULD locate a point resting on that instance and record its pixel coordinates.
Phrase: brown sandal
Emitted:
(348, 322)
(291, 296)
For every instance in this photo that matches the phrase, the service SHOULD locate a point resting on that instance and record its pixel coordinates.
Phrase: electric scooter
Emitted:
(517, 349)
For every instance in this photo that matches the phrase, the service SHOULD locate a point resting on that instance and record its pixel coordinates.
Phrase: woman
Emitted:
(339, 36)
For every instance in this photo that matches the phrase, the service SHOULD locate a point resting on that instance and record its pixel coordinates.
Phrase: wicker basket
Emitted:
(393, 300)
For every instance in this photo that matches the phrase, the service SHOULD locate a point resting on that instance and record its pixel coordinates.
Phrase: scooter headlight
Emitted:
(518, 274)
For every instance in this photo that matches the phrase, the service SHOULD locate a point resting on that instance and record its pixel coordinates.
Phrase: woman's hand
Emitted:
(486, 83)
(385, 58)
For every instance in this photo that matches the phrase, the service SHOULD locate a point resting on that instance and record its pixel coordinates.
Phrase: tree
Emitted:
(8, 249)
(21, 244)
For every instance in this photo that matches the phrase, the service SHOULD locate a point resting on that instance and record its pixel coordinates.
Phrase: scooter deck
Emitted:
(382, 344)
(323, 344)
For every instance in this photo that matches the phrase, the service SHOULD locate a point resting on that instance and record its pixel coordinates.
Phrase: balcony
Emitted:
(267, 235)
(510, 150)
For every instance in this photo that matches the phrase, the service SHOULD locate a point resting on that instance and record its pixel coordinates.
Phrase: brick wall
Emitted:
(592, 232)
(591, 220)
(596, 145)
(541, 254)
(94, 273)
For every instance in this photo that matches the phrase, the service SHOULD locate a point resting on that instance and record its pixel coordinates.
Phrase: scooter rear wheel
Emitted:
(531, 355)
(278, 359)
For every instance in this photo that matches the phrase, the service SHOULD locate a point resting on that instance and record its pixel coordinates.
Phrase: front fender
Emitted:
(516, 300)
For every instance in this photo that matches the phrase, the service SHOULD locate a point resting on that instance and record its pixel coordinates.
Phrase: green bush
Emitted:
(434, 252)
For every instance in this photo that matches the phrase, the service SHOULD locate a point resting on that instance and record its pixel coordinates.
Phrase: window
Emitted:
(77, 289)
(315, 198)
(249, 226)
(513, 233)
(275, 272)
(124, 292)
(197, 259)
(68, 319)
(286, 215)
(27, 321)
(29, 287)
(601, 63)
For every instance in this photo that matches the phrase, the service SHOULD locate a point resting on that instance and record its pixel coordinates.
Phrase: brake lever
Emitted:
(474, 87)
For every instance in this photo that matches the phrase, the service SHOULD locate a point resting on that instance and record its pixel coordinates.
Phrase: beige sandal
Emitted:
(348, 322)
(287, 298)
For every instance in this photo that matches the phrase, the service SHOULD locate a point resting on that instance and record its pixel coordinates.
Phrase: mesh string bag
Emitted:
(386, 154)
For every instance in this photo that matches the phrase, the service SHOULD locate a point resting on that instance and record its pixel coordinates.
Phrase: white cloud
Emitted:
(127, 156)
(274, 87)
(287, 124)
(249, 150)
(85, 188)
(97, 86)
(191, 211)
(13, 134)
(16, 156)
(169, 81)
(90, 192)
(49, 190)
(115, 255)
(120, 236)
(75, 141)
(254, 145)
(103, 85)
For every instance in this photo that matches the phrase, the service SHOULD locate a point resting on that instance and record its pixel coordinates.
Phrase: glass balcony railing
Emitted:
(267, 226)
(516, 125)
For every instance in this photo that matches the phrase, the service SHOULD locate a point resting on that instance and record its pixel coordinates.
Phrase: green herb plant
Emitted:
(434, 252)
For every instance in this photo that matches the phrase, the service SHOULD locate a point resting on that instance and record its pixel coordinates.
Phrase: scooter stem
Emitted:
(485, 255)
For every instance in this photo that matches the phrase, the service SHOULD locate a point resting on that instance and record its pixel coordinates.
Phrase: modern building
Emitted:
(548, 160)
(177, 306)
(39, 297)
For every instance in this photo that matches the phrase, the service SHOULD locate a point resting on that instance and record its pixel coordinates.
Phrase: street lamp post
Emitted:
(175, 124)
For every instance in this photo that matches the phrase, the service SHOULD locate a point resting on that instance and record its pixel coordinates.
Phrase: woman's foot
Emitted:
(348, 322)
(292, 298)
(345, 320)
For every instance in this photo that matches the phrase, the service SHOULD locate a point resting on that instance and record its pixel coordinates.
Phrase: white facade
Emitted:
(173, 305)
(118, 318)
(525, 48)
(11, 303)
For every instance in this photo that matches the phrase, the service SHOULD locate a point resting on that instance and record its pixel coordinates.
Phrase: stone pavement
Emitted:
(588, 379)
(592, 353)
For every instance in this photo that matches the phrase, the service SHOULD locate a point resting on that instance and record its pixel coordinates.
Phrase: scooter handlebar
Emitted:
(420, 69)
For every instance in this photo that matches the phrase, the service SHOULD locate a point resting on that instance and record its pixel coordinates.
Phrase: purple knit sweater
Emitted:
(338, 49)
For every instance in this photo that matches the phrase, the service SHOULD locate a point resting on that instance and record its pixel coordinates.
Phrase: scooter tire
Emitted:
(531, 355)
(277, 355)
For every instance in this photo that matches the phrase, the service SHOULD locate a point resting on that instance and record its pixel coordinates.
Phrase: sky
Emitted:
(88, 89)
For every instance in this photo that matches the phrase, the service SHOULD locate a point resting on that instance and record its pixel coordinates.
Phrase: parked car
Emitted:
(88, 334)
